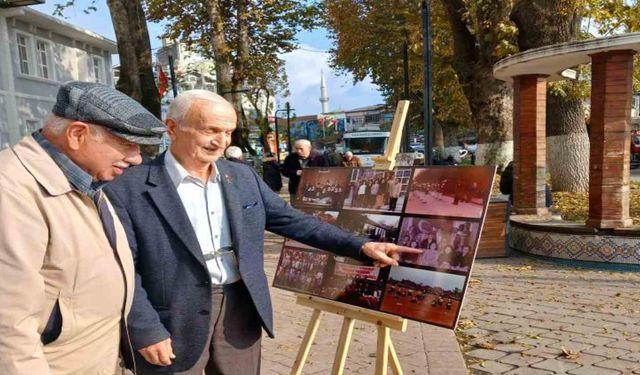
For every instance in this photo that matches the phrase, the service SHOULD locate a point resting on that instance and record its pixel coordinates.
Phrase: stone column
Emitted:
(610, 131)
(529, 111)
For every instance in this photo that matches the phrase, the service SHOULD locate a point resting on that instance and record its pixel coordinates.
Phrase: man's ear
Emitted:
(77, 134)
(171, 128)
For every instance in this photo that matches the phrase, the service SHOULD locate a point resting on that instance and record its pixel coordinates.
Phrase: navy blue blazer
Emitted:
(172, 292)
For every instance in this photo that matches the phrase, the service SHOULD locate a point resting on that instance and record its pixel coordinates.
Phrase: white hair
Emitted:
(233, 152)
(180, 106)
(348, 153)
(56, 125)
(302, 143)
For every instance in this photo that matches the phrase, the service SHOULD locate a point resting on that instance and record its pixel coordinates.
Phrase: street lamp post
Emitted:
(426, 40)
(287, 109)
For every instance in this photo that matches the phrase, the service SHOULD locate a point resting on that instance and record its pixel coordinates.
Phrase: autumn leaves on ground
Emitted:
(575, 206)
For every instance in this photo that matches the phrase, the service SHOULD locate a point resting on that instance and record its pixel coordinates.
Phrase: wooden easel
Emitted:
(385, 354)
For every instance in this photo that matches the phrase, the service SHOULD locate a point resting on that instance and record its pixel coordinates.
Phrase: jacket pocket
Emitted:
(53, 328)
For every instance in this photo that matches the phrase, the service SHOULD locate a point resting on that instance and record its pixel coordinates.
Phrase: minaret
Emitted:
(324, 98)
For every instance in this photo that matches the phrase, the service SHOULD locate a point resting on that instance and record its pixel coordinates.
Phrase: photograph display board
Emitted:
(437, 209)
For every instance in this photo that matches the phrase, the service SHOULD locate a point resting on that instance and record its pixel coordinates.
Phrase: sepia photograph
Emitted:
(322, 188)
(428, 296)
(448, 191)
(374, 190)
(447, 244)
(376, 227)
(301, 270)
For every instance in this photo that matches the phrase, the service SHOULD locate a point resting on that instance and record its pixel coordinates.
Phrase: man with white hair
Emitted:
(196, 226)
(233, 153)
(66, 268)
(294, 163)
(350, 160)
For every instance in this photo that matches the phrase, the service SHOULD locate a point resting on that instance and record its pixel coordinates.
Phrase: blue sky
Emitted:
(303, 65)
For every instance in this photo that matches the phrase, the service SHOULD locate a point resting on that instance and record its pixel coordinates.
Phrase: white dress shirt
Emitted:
(206, 210)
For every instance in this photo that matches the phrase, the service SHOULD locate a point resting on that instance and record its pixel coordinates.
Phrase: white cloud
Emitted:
(303, 70)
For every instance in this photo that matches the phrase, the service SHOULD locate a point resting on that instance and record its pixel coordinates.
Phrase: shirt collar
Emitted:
(178, 174)
(80, 180)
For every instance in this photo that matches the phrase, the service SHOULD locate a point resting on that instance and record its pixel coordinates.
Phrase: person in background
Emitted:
(302, 158)
(333, 157)
(350, 160)
(234, 153)
(271, 166)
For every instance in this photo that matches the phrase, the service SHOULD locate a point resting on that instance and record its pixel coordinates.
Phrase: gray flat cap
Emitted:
(102, 105)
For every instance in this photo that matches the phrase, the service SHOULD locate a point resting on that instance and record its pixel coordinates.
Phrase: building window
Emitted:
(98, 69)
(42, 54)
(23, 52)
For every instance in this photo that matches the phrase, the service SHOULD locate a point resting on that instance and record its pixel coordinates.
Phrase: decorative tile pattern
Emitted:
(587, 247)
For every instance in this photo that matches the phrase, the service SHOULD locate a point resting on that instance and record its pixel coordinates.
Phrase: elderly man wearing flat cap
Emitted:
(66, 272)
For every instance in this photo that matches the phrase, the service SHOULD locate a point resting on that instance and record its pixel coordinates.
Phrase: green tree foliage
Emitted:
(243, 37)
(368, 40)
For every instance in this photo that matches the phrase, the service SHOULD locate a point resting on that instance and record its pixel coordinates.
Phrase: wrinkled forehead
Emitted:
(213, 112)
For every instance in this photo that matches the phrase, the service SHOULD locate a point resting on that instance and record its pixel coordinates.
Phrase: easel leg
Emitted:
(382, 354)
(393, 359)
(309, 335)
(343, 346)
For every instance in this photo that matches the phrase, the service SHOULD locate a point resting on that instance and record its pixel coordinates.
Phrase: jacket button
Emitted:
(203, 312)
(204, 284)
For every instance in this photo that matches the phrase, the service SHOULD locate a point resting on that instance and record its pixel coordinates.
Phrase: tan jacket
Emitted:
(53, 247)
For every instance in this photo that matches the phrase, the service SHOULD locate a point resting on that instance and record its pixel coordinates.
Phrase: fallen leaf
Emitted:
(487, 345)
(569, 354)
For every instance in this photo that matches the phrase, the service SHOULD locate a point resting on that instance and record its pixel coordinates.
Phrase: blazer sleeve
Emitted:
(143, 321)
(23, 247)
(286, 221)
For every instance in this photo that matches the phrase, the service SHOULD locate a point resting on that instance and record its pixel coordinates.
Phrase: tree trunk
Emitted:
(491, 103)
(221, 51)
(541, 23)
(134, 49)
(490, 100)
(567, 144)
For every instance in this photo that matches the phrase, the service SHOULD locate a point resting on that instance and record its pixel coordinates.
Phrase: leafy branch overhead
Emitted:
(244, 38)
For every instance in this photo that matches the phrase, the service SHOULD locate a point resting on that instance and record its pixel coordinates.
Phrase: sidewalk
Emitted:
(526, 316)
(422, 349)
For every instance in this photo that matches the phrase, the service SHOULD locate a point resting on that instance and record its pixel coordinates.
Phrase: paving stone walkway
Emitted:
(423, 349)
(525, 316)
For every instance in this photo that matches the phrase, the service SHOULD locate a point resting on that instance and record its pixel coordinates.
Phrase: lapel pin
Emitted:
(227, 178)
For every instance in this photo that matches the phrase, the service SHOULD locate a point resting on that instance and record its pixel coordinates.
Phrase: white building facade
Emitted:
(38, 53)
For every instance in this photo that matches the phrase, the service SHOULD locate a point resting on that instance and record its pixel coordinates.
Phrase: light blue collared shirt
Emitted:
(207, 213)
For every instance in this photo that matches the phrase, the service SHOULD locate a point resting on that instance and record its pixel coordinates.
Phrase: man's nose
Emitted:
(134, 157)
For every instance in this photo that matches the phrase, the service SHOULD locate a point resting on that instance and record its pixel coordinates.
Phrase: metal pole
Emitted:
(173, 77)
(275, 116)
(288, 107)
(426, 39)
(405, 65)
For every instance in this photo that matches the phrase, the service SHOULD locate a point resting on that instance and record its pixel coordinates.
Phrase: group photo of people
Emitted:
(301, 270)
(377, 190)
(323, 187)
(456, 192)
(376, 227)
(447, 244)
(423, 295)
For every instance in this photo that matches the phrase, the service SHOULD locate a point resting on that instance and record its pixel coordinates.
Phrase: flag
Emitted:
(163, 82)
